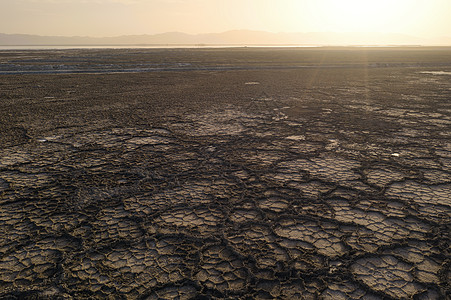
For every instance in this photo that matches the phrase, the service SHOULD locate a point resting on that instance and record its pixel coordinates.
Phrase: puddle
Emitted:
(436, 72)
(296, 137)
(50, 138)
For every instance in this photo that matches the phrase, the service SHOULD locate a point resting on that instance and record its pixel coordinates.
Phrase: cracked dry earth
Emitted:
(250, 184)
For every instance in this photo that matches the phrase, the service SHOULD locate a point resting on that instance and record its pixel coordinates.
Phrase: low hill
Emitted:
(234, 37)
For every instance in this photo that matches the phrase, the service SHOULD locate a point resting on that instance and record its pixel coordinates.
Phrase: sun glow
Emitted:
(426, 19)
(363, 15)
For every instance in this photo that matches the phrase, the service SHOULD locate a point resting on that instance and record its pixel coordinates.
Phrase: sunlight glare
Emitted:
(363, 15)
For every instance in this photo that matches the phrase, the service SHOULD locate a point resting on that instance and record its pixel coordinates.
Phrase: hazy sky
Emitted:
(423, 18)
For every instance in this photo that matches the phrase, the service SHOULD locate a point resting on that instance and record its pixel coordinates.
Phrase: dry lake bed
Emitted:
(241, 173)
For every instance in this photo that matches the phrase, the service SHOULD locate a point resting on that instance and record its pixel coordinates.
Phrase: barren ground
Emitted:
(225, 173)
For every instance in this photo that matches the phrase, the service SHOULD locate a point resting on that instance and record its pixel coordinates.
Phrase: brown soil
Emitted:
(225, 173)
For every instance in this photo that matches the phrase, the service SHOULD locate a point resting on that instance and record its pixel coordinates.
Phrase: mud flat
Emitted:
(225, 173)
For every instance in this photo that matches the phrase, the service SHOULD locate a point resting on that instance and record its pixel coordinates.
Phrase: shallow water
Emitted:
(436, 72)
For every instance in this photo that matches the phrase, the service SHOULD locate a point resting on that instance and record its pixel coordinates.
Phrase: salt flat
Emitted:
(225, 173)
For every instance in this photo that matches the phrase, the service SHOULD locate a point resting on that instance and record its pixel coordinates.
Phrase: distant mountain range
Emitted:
(234, 37)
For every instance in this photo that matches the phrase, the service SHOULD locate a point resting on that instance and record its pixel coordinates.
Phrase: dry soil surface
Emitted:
(225, 173)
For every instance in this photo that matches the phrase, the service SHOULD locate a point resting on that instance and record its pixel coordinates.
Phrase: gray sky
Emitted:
(422, 18)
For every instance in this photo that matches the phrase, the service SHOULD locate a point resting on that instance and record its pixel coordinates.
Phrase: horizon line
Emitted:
(233, 30)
